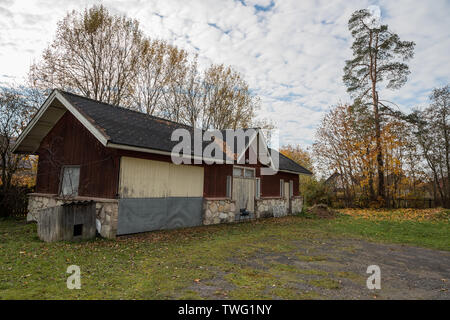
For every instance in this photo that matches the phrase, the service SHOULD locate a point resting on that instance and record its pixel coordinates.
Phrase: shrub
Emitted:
(14, 202)
(316, 192)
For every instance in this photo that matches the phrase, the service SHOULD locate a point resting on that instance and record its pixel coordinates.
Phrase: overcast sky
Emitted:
(291, 52)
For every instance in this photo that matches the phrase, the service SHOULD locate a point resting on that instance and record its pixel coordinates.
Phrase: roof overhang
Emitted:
(54, 107)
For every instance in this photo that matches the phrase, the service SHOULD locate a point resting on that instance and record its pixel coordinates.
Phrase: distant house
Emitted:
(89, 150)
(335, 183)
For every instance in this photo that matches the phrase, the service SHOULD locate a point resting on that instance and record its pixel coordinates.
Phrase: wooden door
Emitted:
(286, 190)
(244, 193)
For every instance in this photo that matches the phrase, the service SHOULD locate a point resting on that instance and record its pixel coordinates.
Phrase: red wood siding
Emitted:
(215, 183)
(70, 143)
(270, 185)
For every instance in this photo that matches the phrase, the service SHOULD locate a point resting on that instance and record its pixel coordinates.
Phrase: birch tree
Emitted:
(95, 54)
(432, 131)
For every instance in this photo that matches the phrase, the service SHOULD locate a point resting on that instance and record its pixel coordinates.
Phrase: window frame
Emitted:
(258, 188)
(291, 188)
(238, 168)
(61, 180)
(229, 191)
(244, 169)
(281, 188)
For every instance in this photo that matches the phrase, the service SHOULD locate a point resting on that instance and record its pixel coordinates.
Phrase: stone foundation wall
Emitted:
(107, 214)
(218, 211)
(107, 210)
(296, 205)
(37, 202)
(271, 207)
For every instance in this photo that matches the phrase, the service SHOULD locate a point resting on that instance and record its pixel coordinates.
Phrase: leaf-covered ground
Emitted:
(433, 214)
(286, 258)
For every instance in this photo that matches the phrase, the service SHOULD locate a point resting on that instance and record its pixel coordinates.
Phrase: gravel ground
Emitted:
(407, 272)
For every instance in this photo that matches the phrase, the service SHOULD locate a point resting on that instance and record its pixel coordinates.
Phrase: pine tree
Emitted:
(379, 56)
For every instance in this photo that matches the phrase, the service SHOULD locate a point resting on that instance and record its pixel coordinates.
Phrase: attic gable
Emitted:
(46, 118)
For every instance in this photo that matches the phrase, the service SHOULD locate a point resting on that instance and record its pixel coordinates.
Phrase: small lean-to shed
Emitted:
(68, 222)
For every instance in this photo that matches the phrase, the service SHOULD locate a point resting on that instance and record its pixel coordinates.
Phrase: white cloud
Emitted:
(291, 52)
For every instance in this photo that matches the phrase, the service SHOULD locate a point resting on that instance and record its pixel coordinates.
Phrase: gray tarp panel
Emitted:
(147, 214)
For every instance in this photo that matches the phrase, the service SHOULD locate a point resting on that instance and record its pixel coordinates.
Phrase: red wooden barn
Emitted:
(89, 150)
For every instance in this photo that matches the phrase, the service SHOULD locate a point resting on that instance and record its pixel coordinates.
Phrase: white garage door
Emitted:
(141, 178)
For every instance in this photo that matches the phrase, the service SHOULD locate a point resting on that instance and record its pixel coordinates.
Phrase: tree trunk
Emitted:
(447, 161)
(380, 165)
(379, 151)
(369, 169)
(3, 184)
(436, 179)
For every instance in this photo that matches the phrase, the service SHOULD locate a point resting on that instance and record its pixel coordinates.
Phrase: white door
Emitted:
(244, 193)
(286, 190)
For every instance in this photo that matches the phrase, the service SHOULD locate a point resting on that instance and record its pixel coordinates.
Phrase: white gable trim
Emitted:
(48, 102)
(247, 146)
(270, 154)
(258, 131)
(92, 129)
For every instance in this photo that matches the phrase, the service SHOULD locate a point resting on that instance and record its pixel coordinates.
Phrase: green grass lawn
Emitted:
(168, 264)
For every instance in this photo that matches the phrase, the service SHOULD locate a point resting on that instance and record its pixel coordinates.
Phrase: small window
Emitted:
(238, 172)
(258, 188)
(228, 186)
(281, 188)
(249, 173)
(77, 230)
(69, 181)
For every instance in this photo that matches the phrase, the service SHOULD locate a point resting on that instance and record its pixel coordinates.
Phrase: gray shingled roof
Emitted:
(289, 164)
(132, 128)
(127, 127)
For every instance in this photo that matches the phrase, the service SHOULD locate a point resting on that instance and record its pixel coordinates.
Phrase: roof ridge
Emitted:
(124, 108)
(143, 113)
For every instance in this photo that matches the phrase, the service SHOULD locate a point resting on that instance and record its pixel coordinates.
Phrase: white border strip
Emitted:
(165, 153)
(99, 135)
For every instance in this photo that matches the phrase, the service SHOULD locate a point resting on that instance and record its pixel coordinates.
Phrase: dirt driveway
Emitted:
(336, 269)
